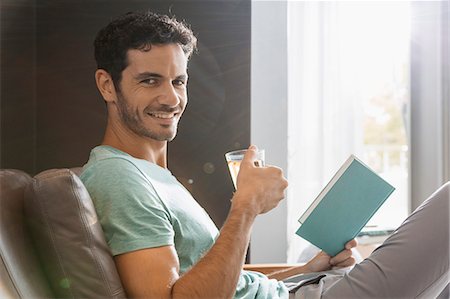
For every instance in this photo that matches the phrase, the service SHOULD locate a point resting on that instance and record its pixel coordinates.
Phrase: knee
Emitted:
(440, 199)
(443, 194)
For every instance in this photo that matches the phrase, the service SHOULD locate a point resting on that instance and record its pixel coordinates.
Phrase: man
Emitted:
(164, 244)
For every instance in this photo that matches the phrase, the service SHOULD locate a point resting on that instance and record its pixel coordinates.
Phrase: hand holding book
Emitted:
(320, 262)
(344, 206)
(323, 262)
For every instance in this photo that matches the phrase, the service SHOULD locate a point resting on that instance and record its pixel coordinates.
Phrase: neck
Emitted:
(137, 146)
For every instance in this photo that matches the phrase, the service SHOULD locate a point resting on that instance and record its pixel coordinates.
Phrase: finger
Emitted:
(351, 244)
(347, 263)
(341, 256)
(250, 155)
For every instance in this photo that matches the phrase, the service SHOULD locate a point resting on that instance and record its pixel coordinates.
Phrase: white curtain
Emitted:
(335, 64)
(323, 110)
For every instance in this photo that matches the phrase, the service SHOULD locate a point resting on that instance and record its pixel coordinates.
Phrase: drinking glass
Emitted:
(234, 160)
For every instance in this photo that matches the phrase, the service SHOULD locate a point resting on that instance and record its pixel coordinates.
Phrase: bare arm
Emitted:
(218, 272)
(154, 273)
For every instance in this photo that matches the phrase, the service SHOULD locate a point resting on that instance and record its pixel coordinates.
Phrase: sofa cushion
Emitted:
(21, 275)
(69, 237)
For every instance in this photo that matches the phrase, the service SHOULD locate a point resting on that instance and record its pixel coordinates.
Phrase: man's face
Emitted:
(152, 94)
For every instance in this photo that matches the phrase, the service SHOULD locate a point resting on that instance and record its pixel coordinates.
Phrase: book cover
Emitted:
(344, 206)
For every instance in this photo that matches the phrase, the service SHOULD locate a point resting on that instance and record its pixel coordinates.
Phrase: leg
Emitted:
(413, 262)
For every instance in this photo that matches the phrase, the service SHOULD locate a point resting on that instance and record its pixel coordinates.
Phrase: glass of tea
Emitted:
(234, 159)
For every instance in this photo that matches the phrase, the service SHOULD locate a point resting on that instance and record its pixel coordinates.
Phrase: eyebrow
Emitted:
(145, 75)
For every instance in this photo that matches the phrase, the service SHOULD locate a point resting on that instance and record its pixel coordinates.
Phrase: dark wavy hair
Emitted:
(138, 30)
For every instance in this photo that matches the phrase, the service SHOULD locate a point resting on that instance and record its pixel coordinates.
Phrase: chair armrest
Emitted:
(268, 268)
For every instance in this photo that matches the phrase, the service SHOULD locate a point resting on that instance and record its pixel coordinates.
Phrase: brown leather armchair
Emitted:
(51, 244)
(20, 271)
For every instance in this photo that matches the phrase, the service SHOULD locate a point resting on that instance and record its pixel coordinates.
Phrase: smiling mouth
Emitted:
(163, 115)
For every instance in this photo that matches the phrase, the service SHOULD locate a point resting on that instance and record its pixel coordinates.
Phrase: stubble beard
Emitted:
(134, 122)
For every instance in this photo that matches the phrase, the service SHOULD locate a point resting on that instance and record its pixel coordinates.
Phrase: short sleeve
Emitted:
(130, 211)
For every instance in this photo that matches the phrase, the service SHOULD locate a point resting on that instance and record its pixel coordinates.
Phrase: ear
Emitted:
(105, 85)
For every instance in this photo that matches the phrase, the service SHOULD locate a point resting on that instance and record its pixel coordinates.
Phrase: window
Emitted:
(348, 66)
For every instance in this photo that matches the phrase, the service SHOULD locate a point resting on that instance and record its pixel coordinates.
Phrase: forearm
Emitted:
(259, 190)
(217, 273)
(288, 272)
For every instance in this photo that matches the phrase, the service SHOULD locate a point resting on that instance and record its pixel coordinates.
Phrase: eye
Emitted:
(178, 82)
(149, 81)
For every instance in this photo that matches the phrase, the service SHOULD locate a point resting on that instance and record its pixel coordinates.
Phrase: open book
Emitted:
(344, 206)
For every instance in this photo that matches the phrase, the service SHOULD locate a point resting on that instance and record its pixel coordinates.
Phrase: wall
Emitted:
(18, 84)
(52, 114)
(268, 119)
(430, 100)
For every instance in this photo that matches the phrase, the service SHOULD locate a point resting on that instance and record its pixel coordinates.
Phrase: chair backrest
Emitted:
(66, 255)
(21, 275)
(69, 238)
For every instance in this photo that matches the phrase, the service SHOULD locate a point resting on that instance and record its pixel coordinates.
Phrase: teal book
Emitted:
(344, 206)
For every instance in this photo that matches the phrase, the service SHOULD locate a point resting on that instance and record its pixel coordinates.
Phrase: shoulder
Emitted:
(108, 162)
(116, 177)
(112, 170)
(128, 207)
(112, 164)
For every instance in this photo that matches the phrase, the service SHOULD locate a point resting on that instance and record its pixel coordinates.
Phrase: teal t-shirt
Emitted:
(142, 205)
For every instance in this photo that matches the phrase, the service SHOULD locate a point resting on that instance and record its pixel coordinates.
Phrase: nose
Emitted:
(169, 96)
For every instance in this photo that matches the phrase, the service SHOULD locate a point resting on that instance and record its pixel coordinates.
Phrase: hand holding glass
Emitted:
(234, 160)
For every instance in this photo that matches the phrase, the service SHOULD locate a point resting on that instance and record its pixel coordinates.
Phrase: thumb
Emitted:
(250, 155)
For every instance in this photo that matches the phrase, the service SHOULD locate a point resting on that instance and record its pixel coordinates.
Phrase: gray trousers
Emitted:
(412, 263)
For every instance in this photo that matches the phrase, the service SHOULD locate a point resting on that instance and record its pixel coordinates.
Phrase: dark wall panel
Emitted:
(52, 113)
(71, 114)
(18, 85)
